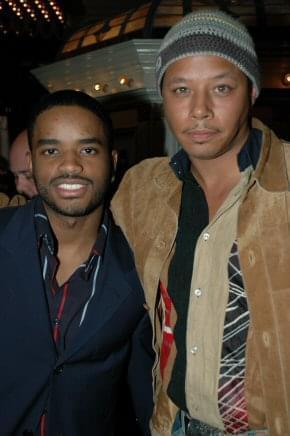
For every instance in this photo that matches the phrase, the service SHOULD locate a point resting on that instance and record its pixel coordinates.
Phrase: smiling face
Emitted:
(206, 103)
(71, 161)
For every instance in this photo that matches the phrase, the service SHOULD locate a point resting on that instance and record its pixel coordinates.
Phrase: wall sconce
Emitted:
(101, 87)
(126, 81)
(98, 87)
(286, 79)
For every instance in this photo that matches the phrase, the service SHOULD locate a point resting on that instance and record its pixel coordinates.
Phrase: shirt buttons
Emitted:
(59, 369)
(205, 236)
(197, 292)
(194, 349)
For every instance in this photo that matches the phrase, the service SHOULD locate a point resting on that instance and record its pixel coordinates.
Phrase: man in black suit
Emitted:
(73, 321)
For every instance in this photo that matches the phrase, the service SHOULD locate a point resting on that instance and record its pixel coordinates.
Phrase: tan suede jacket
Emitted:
(146, 207)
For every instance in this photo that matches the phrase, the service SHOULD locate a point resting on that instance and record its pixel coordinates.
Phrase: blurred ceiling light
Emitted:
(286, 79)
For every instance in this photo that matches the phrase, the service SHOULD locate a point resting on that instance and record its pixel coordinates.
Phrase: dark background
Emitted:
(22, 50)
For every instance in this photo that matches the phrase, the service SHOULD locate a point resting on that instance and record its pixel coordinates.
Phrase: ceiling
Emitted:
(21, 51)
(94, 9)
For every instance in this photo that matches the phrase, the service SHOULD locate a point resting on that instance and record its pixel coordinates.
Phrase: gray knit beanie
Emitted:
(209, 32)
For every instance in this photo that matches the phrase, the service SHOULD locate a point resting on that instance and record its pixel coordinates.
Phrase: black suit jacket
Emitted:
(80, 388)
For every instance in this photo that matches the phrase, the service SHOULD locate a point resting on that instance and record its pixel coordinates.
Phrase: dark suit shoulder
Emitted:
(6, 213)
(16, 219)
(118, 236)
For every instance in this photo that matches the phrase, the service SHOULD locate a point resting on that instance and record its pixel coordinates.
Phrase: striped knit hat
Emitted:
(209, 32)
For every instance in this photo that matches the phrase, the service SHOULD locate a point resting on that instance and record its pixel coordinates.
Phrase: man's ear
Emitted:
(253, 95)
(29, 160)
(114, 159)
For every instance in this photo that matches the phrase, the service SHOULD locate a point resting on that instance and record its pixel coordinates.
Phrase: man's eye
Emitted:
(181, 90)
(50, 151)
(88, 150)
(223, 89)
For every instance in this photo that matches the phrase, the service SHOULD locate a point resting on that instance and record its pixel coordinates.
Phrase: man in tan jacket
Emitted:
(210, 233)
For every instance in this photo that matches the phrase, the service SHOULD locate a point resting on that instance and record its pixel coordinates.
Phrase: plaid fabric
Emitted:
(231, 393)
(167, 335)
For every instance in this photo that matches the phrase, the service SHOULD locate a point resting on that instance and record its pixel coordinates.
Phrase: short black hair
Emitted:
(70, 97)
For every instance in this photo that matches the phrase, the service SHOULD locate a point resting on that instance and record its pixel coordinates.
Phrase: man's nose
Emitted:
(71, 163)
(201, 105)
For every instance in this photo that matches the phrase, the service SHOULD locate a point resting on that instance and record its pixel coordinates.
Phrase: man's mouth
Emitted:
(71, 186)
(71, 189)
(200, 135)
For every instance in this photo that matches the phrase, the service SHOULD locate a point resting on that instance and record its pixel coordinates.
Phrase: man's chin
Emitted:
(72, 210)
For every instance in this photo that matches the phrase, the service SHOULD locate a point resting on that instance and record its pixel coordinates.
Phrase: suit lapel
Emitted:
(111, 290)
(100, 310)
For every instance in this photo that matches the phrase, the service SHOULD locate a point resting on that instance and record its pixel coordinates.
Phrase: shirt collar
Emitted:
(250, 153)
(248, 156)
(44, 232)
(98, 248)
(44, 235)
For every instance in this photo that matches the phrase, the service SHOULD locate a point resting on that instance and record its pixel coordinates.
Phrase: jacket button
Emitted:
(161, 243)
(28, 433)
(58, 369)
(251, 257)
